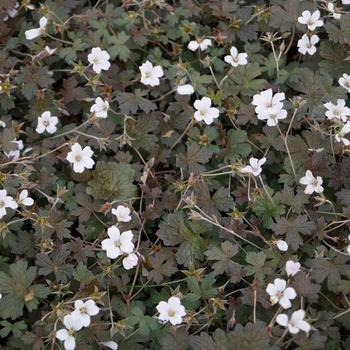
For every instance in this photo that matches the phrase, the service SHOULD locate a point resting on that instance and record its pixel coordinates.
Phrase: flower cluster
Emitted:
(269, 106)
(75, 321)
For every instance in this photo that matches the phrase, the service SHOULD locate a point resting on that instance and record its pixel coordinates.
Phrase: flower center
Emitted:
(46, 123)
(279, 295)
(117, 244)
(83, 310)
(78, 158)
(148, 74)
(171, 313)
(337, 111)
(202, 113)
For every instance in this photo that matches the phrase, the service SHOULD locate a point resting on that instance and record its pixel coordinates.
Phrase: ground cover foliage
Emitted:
(174, 174)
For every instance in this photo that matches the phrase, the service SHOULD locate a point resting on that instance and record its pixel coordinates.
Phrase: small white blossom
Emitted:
(11, 12)
(236, 59)
(204, 111)
(280, 293)
(80, 158)
(312, 184)
(272, 115)
(292, 268)
(345, 2)
(46, 122)
(171, 311)
(269, 106)
(36, 32)
(118, 243)
(99, 60)
(311, 20)
(67, 334)
(110, 344)
(50, 51)
(24, 199)
(307, 45)
(84, 310)
(266, 99)
(282, 245)
(332, 9)
(122, 213)
(150, 75)
(344, 81)
(339, 136)
(6, 202)
(186, 89)
(255, 166)
(296, 323)
(100, 108)
(130, 261)
(338, 111)
(202, 44)
(15, 153)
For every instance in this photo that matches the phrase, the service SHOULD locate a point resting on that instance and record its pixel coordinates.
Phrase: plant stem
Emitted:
(284, 138)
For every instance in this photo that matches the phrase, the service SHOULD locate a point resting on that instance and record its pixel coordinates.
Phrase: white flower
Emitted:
(67, 334)
(2, 124)
(171, 311)
(307, 45)
(186, 89)
(6, 202)
(345, 2)
(117, 243)
(282, 245)
(46, 122)
(110, 344)
(100, 108)
(311, 20)
(83, 311)
(267, 100)
(130, 261)
(339, 136)
(296, 323)
(34, 33)
(255, 166)
(338, 111)
(236, 59)
(49, 51)
(331, 8)
(344, 81)
(272, 115)
(292, 268)
(150, 75)
(11, 12)
(15, 153)
(80, 158)
(202, 44)
(122, 213)
(99, 60)
(205, 111)
(312, 184)
(24, 199)
(279, 293)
